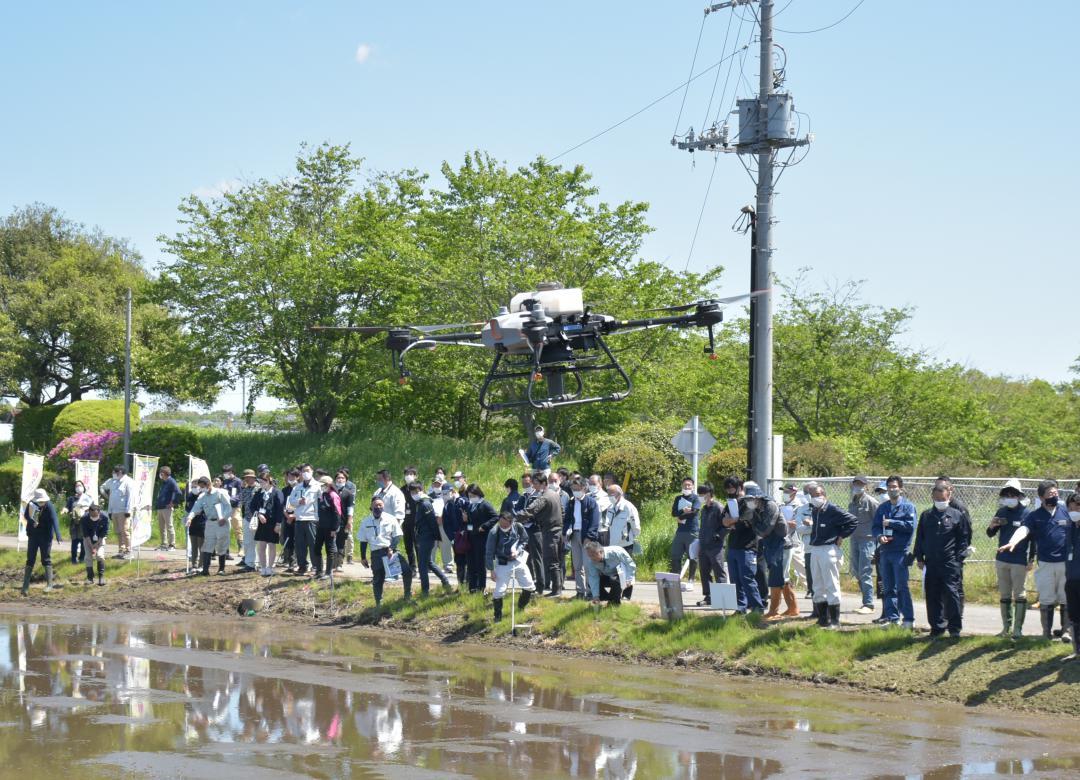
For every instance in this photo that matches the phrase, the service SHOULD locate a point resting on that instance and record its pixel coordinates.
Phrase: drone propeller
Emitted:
(373, 329)
(731, 299)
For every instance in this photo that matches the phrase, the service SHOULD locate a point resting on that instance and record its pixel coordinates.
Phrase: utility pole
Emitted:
(127, 384)
(766, 124)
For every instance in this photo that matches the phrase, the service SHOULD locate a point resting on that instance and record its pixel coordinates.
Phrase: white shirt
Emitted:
(121, 495)
(577, 515)
(379, 534)
(308, 511)
(393, 500)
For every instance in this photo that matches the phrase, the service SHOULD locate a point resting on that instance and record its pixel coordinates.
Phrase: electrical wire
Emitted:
(693, 62)
(708, 109)
(704, 202)
(826, 27)
(645, 108)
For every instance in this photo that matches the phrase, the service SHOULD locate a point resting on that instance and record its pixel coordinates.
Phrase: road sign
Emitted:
(693, 441)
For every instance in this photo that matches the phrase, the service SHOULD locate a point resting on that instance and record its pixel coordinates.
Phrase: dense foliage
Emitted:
(106, 415)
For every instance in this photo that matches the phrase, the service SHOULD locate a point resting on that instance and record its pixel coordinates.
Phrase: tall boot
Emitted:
(834, 616)
(523, 599)
(822, 613)
(101, 572)
(90, 572)
(1065, 635)
(774, 604)
(27, 573)
(221, 564)
(1019, 613)
(1047, 615)
(1006, 617)
(1075, 642)
(790, 601)
(48, 578)
(204, 559)
(497, 604)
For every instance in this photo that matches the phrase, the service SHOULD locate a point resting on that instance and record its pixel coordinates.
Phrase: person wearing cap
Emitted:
(862, 542)
(459, 482)
(829, 526)
(1072, 573)
(742, 554)
(381, 531)
(248, 490)
(803, 510)
(540, 451)
(1048, 525)
(215, 505)
(122, 491)
(505, 556)
(168, 498)
(42, 526)
(546, 511)
(232, 484)
(94, 528)
(75, 507)
(942, 540)
(1011, 566)
(764, 517)
(794, 557)
(894, 526)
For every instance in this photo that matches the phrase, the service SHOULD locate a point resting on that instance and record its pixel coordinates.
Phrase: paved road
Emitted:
(978, 618)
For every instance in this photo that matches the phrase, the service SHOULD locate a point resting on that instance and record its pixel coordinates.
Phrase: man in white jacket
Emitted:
(121, 489)
(215, 505)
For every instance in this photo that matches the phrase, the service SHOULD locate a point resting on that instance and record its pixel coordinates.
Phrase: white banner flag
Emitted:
(86, 471)
(197, 467)
(32, 467)
(141, 524)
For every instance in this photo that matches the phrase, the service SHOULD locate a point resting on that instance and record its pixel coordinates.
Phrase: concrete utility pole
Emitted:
(127, 384)
(766, 124)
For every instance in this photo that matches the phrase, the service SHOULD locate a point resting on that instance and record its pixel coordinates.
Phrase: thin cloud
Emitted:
(363, 52)
(223, 187)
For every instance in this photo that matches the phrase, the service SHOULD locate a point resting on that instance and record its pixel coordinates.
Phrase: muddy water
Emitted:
(88, 696)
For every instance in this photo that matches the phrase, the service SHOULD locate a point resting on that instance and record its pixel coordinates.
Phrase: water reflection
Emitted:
(194, 698)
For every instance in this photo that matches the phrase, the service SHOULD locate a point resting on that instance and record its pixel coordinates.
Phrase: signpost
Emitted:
(693, 441)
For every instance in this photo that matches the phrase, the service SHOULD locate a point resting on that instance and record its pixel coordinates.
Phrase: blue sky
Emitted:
(943, 171)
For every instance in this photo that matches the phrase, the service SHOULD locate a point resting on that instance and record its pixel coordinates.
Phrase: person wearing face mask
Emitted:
(42, 526)
(581, 524)
(94, 528)
(346, 491)
(122, 496)
(480, 516)
(408, 522)
(540, 451)
(764, 517)
(427, 536)
(894, 526)
(546, 511)
(623, 520)
(232, 485)
(535, 548)
(504, 549)
(288, 530)
(215, 505)
(437, 482)
(1011, 567)
(268, 509)
(448, 513)
(248, 490)
(75, 507)
(459, 482)
(196, 528)
(1048, 526)
(168, 498)
(1072, 573)
(829, 526)
(742, 553)
(381, 531)
(685, 510)
(711, 536)
(803, 510)
(304, 503)
(794, 557)
(863, 542)
(326, 530)
(942, 539)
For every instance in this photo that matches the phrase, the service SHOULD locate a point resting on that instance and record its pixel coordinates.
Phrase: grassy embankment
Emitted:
(1026, 675)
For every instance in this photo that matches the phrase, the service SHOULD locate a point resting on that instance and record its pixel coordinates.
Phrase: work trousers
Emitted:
(577, 562)
(445, 547)
(165, 526)
(553, 560)
(122, 523)
(680, 548)
(408, 538)
(826, 568)
(378, 573)
(1050, 581)
(288, 535)
(216, 537)
(303, 543)
(325, 540)
(236, 520)
(794, 561)
(78, 549)
(196, 543)
(267, 552)
(1072, 598)
(944, 609)
(742, 568)
(477, 574)
(713, 568)
(808, 567)
(895, 592)
(425, 549)
(39, 544)
(772, 549)
(611, 592)
(512, 570)
(862, 567)
(1010, 579)
(248, 536)
(95, 551)
(535, 548)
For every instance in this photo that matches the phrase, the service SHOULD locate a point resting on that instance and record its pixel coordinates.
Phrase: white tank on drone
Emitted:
(557, 301)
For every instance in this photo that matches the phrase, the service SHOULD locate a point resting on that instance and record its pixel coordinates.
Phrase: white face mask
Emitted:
(460, 483)
(1074, 516)
(474, 500)
(894, 493)
(751, 504)
(539, 435)
(941, 506)
(78, 490)
(688, 492)
(1009, 503)
(818, 501)
(578, 495)
(614, 499)
(416, 496)
(857, 490)
(307, 475)
(594, 489)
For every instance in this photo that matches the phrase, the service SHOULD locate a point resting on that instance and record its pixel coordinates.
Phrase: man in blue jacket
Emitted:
(942, 540)
(1011, 567)
(894, 526)
(540, 451)
(829, 526)
(581, 524)
(685, 510)
(42, 525)
(168, 498)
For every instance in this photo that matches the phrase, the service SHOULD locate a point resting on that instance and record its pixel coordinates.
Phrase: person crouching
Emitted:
(610, 571)
(94, 527)
(505, 557)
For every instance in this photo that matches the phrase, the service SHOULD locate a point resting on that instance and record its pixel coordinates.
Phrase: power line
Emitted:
(645, 108)
(704, 202)
(708, 109)
(826, 27)
(693, 62)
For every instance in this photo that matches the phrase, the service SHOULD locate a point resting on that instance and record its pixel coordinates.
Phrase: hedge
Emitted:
(92, 416)
(721, 465)
(171, 443)
(651, 475)
(643, 435)
(33, 427)
(11, 481)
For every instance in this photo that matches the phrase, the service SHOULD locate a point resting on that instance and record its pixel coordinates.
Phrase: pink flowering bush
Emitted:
(85, 445)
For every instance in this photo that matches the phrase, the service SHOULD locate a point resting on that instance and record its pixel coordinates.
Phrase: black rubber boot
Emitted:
(523, 599)
(101, 572)
(1047, 615)
(497, 604)
(1065, 635)
(834, 616)
(48, 579)
(1019, 613)
(204, 559)
(221, 564)
(27, 573)
(1075, 643)
(90, 573)
(1006, 617)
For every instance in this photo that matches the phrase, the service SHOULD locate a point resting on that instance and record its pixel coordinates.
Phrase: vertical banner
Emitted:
(197, 467)
(86, 471)
(144, 473)
(31, 478)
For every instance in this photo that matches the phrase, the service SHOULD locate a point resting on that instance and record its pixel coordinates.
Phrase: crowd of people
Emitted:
(556, 526)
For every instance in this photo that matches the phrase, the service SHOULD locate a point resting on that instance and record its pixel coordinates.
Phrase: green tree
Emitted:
(63, 295)
(254, 270)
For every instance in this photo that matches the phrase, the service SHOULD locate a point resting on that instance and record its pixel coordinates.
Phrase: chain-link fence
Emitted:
(980, 495)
